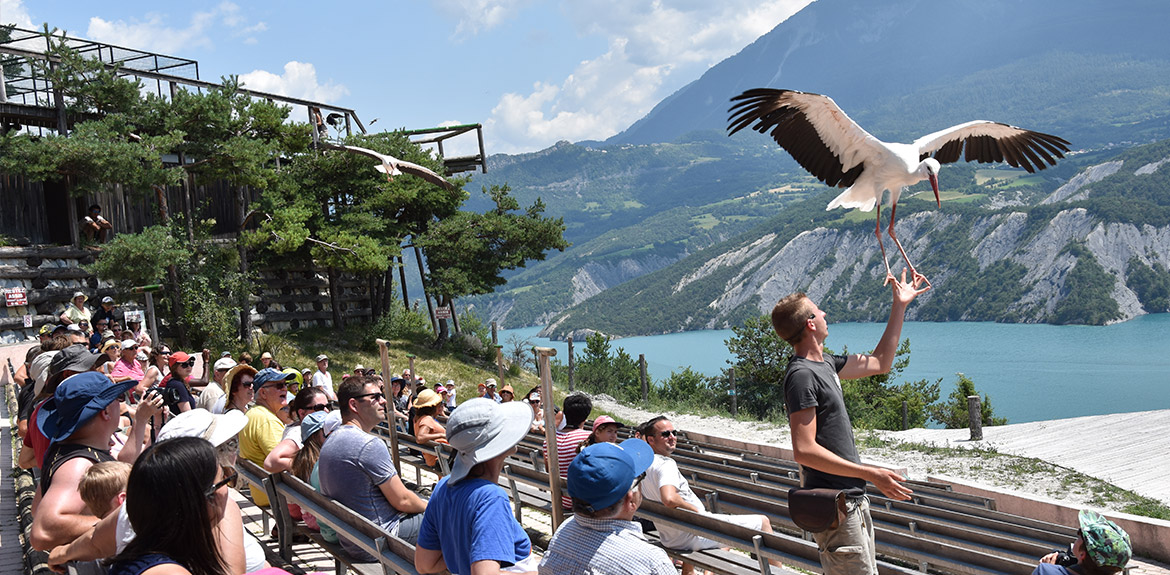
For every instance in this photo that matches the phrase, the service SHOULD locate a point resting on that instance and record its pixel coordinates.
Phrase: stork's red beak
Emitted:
(934, 184)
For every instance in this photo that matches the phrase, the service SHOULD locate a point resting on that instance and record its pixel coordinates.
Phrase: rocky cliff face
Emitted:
(839, 260)
(594, 278)
(1068, 256)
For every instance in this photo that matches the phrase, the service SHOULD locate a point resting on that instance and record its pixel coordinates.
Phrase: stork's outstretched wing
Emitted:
(811, 127)
(405, 167)
(987, 142)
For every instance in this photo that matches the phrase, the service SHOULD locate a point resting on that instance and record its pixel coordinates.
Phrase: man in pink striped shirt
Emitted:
(577, 410)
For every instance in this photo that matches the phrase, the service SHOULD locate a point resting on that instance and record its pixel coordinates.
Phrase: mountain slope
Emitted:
(1000, 249)
(1097, 74)
(908, 67)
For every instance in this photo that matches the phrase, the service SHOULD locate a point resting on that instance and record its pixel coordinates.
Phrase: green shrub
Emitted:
(954, 413)
(474, 338)
(400, 324)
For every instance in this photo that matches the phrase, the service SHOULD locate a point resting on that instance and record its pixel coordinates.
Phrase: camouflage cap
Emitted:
(1105, 542)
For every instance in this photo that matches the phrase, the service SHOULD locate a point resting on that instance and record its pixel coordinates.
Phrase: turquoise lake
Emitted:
(1030, 372)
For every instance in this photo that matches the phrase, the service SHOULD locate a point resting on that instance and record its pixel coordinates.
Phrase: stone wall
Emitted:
(284, 298)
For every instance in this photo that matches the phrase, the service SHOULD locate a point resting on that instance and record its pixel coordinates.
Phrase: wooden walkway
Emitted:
(11, 551)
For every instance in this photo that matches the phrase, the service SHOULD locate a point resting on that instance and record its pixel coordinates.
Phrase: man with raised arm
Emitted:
(822, 434)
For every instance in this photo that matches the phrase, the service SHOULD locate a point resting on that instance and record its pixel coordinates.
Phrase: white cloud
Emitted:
(14, 12)
(154, 35)
(474, 16)
(299, 80)
(654, 48)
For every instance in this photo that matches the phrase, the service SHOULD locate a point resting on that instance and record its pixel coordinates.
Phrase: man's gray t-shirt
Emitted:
(815, 384)
(353, 464)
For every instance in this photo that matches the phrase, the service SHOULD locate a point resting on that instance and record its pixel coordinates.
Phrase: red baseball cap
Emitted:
(178, 357)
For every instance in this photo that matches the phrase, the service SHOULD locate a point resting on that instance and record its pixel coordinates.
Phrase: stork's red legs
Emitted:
(881, 244)
(916, 276)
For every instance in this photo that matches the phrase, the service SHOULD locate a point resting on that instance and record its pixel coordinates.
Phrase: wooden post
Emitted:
(642, 375)
(402, 280)
(734, 395)
(152, 322)
(413, 377)
(426, 296)
(572, 387)
(975, 417)
(454, 316)
(495, 334)
(391, 413)
(905, 415)
(550, 432)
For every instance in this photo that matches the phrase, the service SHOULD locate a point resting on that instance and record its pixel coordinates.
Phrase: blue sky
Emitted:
(533, 72)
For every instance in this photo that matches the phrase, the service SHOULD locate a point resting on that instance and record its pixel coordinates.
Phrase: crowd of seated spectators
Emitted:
(135, 462)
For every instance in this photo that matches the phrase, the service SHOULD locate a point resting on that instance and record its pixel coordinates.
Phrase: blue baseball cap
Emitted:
(268, 374)
(76, 401)
(604, 472)
(312, 423)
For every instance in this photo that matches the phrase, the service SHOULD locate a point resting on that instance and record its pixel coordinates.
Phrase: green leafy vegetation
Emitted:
(324, 208)
(955, 413)
(1152, 285)
(1088, 292)
(759, 364)
(601, 369)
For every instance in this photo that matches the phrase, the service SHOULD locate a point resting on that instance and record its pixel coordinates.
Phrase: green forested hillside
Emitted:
(672, 184)
(964, 289)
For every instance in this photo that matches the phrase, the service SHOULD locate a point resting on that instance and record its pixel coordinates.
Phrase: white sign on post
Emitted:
(134, 315)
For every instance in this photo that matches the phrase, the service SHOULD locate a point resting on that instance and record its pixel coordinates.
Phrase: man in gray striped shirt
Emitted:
(601, 538)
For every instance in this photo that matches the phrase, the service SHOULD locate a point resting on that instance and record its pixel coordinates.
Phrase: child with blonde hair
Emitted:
(103, 487)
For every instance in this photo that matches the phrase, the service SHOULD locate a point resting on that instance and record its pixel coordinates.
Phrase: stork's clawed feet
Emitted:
(918, 278)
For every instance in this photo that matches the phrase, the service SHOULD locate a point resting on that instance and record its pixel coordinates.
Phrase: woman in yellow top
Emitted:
(75, 310)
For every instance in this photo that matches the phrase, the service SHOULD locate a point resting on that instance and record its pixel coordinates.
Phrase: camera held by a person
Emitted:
(169, 396)
(1100, 548)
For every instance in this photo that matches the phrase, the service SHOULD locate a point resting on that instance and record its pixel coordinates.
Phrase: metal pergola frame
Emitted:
(46, 110)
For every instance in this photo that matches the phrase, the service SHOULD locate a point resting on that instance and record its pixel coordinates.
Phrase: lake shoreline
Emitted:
(1028, 371)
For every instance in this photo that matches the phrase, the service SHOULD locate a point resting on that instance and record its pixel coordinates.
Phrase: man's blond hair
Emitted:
(101, 483)
(790, 315)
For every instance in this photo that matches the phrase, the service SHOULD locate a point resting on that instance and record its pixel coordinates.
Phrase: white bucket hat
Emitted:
(482, 429)
(215, 428)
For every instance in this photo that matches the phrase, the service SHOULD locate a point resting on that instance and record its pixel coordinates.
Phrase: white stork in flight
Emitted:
(832, 147)
(392, 166)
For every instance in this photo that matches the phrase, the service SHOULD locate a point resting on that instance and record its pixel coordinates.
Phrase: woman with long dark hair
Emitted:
(308, 400)
(174, 498)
